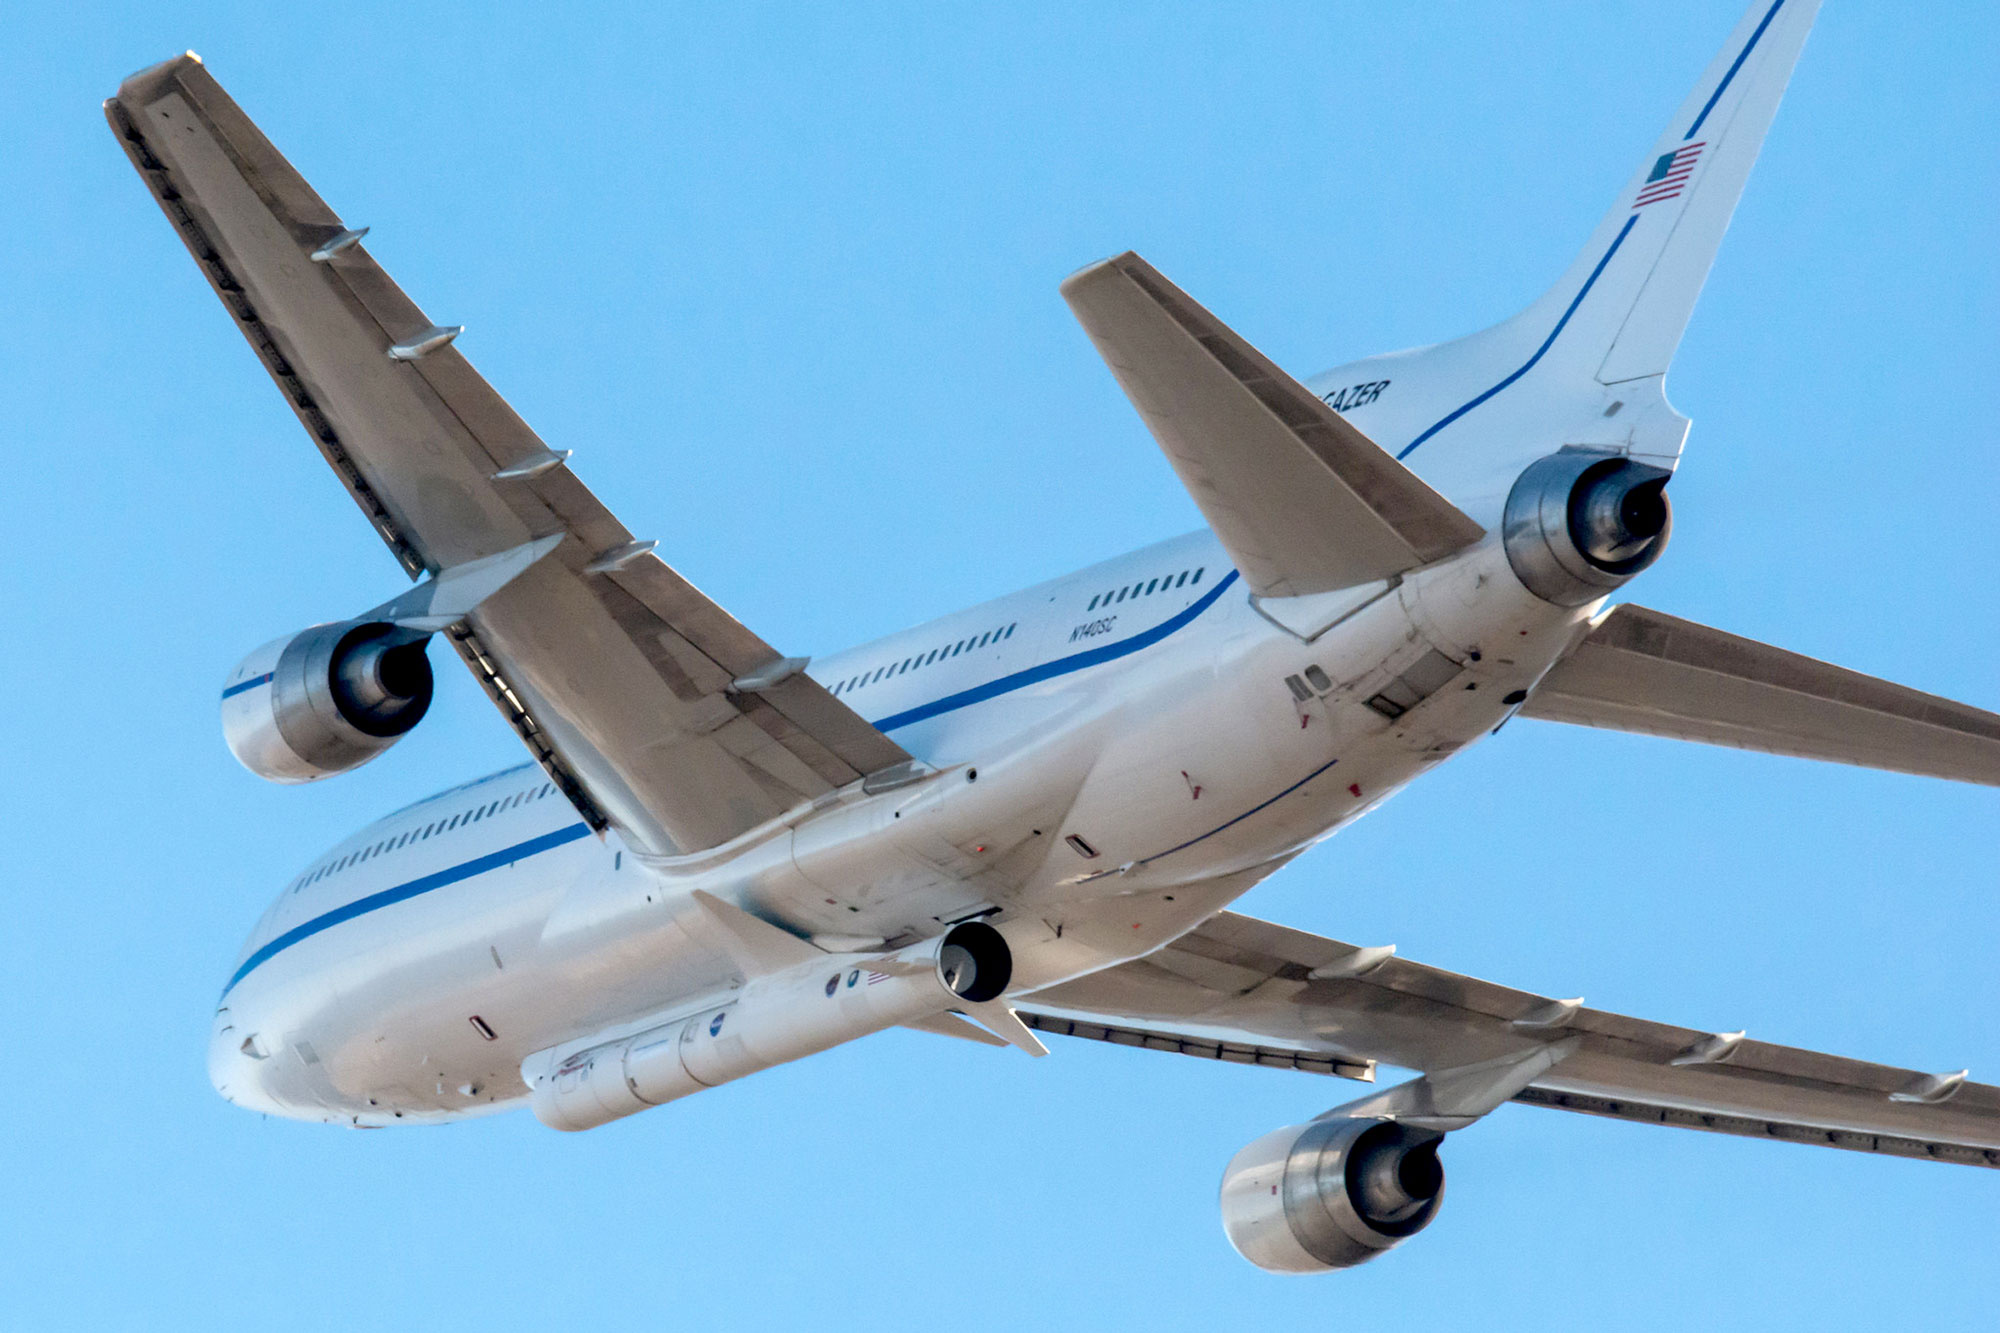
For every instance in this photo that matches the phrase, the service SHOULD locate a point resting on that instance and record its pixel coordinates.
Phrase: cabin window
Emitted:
(1150, 588)
(1092, 606)
(1122, 592)
(1010, 632)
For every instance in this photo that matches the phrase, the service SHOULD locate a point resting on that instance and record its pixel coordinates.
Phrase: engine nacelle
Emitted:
(771, 1020)
(325, 700)
(1579, 523)
(1330, 1193)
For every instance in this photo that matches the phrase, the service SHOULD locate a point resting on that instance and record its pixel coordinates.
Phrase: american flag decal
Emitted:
(874, 977)
(1668, 175)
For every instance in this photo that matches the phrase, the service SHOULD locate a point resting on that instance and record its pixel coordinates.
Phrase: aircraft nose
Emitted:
(235, 1054)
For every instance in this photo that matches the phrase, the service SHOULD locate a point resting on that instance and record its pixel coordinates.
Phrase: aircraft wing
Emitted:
(651, 706)
(1303, 501)
(1318, 1004)
(1642, 670)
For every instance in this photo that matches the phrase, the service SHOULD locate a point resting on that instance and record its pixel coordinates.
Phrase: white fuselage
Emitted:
(1112, 757)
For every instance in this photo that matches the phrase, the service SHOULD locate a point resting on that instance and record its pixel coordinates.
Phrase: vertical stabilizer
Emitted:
(1590, 354)
(1679, 202)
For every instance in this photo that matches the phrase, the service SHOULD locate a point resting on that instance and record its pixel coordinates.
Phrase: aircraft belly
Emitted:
(1147, 799)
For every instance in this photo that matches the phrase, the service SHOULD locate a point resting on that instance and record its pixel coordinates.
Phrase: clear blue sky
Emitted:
(785, 280)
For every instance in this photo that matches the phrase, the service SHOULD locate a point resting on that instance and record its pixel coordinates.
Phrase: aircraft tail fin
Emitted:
(1639, 670)
(1667, 223)
(1594, 349)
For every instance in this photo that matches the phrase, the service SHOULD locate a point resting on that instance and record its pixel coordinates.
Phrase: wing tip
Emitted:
(1115, 263)
(153, 75)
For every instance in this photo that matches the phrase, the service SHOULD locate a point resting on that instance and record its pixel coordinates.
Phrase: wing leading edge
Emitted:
(654, 709)
(1254, 985)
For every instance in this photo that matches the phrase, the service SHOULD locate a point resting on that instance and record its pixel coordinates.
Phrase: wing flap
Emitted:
(1404, 1013)
(1644, 671)
(1304, 502)
(618, 678)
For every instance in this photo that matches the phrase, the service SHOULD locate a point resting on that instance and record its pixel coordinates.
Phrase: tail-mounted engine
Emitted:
(326, 700)
(1331, 1194)
(1579, 523)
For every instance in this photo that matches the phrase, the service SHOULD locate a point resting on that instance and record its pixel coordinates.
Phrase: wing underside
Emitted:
(1331, 1007)
(653, 708)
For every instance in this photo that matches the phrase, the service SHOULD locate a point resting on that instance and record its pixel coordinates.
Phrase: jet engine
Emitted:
(325, 700)
(1579, 523)
(1331, 1193)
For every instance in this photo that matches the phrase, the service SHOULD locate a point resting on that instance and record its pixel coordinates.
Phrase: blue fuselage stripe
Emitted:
(548, 841)
(465, 870)
(249, 684)
(1728, 78)
(1547, 342)
(1062, 666)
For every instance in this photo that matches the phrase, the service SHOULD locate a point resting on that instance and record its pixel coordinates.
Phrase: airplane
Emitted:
(1030, 817)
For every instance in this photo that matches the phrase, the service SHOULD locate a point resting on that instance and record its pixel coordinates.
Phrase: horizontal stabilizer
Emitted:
(1303, 501)
(1639, 670)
